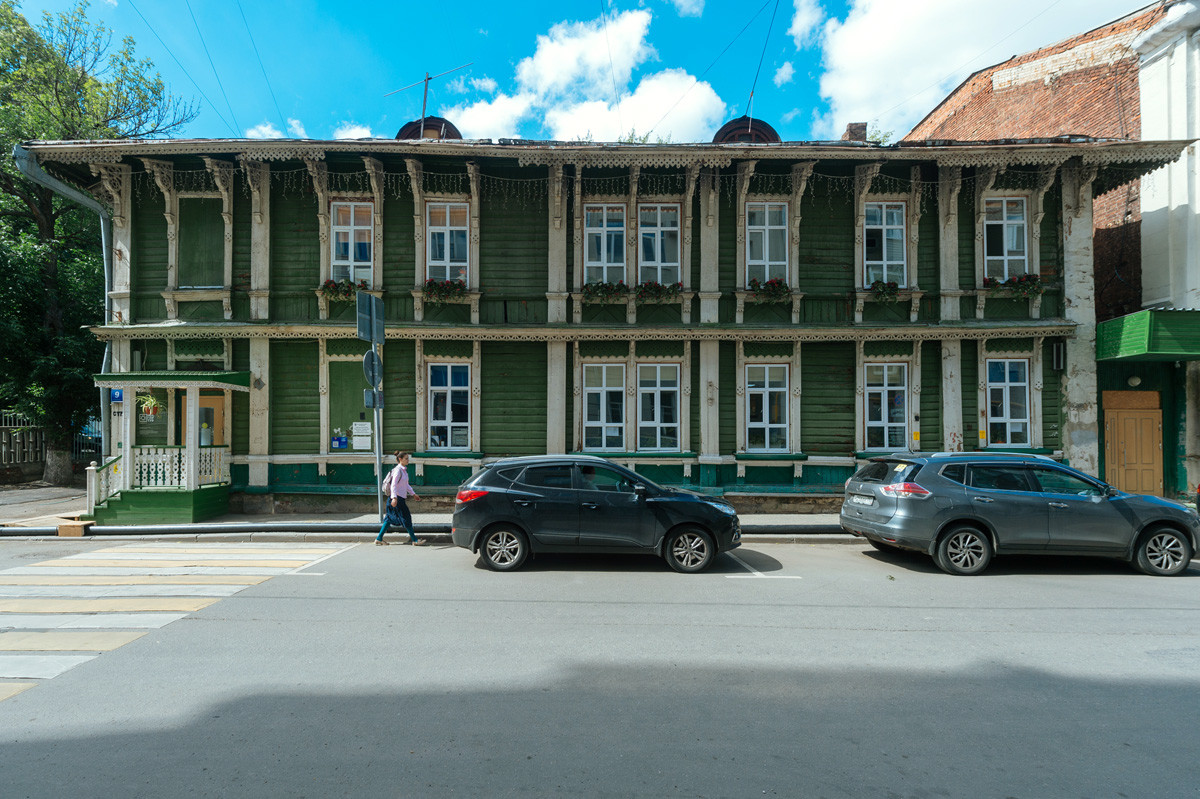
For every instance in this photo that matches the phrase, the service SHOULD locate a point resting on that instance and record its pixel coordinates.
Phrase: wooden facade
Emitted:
(220, 249)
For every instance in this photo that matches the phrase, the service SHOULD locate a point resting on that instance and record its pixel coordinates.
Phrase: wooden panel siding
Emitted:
(513, 389)
(241, 250)
(660, 349)
(826, 250)
(201, 242)
(970, 398)
(1053, 389)
(154, 357)
(493, 311)
(295, 400)
(240, 416)
(930, 401)
(726, 242)
(929, 231)
(448, 349)
(768, 349)
(827, 399)
(727, 380)
(513, 245)
(295, 252)
(345, 346)
(604, 349)
(399, 385)
(694, 401)
(966, 240)
(399, 250)
(875, 349)
(148, 257)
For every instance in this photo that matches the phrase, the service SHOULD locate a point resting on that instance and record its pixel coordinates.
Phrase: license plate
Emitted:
(859, 499)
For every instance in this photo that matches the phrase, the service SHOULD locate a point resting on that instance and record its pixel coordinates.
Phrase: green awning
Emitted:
(1153, 335)
(236, 381)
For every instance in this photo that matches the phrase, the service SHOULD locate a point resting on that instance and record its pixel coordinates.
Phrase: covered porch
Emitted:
(180, 472)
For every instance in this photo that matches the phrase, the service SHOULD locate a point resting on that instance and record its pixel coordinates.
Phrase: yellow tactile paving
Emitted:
(59, 641)
(107, 605)
(136, 563)
(133, 579)
(199, 550)
(8, 689)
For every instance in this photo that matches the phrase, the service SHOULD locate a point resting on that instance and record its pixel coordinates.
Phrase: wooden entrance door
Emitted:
(1133, 459)
(212, 419)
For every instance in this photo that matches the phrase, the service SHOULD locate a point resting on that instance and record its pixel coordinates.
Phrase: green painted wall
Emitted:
(201, 243)
(148, 256)
(400, 409)
(240, 443)
(930, 404)
(827, 399)
(295, 248)
(970, 395)
(295, 399)
(513, 388)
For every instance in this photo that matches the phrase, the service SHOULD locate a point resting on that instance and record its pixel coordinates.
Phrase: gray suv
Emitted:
(962, 508)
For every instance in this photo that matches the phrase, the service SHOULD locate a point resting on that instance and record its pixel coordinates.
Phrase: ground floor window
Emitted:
(658, 407)
(604, 407)
(449, 406)
(886, 387)
(1008, 401)
(766, 408)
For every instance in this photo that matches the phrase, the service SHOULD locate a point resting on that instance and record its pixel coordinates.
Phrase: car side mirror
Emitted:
(639, 489)
(1111, 491)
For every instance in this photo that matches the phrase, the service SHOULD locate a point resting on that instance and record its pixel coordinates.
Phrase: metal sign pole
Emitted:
(370, 328)
(378, 347)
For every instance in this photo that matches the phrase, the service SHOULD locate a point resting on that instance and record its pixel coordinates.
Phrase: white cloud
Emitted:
(296, 129)
(567, 88)
(790, 115)
(689, 8)
(892, 63)
(785, 73)
(264, 130)
(484, 84)
(352, 130)
(806, 22)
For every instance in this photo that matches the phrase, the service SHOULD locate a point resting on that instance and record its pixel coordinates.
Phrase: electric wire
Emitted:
(261, 67)
(187, 74)
(754, 85)
(713, 63)
(611, 69)
(212, 64)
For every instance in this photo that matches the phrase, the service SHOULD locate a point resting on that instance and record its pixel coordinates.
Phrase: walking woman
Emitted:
(397, 489)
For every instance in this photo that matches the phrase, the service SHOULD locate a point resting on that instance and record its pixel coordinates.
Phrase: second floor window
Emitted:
(658, 255)
(446, 234)
(1008, 401)
(353, 235)
(887, 405)
(883, 244)
(766, 408)
(449, 406)
(766, 242)
(604, 243)
(1004, 250)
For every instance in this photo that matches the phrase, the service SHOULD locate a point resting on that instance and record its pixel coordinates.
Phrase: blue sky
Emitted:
(674, 69)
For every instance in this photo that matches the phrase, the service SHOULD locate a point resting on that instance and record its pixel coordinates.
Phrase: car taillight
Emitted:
(905, 491)
(469, 494)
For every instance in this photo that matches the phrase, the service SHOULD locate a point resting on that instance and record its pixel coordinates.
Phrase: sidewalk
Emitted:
(39, 509)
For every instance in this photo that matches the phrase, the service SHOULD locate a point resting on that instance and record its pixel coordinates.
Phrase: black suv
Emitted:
(520, 506)
(961, 508)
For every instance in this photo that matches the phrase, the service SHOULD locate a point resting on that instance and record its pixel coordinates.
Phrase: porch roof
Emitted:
(1150, 335)
(235, 381)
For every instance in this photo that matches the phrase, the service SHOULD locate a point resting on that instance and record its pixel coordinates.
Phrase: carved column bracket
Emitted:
(1046, 176)
(985, 178)
(556, 195)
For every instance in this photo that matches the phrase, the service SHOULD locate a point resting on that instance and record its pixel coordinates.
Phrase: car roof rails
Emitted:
(993, 454)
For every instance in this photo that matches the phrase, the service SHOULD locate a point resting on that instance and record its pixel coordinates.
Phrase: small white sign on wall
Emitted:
(360, 429)
(361, 442)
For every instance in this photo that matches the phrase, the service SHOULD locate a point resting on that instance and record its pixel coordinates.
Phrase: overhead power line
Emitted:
(221, 86)
(263, 68)
(612, 70)
(754, 85)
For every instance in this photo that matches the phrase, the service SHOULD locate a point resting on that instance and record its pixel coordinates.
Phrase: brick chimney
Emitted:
(855, 131)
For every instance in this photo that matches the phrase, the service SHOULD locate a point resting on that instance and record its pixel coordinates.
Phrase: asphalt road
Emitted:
(799, 670)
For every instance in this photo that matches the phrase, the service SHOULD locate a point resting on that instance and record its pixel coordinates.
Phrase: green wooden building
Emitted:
(746, 318)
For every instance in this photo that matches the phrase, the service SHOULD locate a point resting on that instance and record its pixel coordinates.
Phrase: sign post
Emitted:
(370, 328)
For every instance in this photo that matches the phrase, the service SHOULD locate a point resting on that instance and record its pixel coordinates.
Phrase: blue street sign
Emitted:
(116, 395)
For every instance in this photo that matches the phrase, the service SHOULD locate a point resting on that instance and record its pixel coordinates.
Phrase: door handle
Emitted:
(983, 499)
(523, 503)
(590, 505)
(1059, 505)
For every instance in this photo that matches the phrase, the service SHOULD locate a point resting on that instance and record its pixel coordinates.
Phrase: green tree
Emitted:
(62, 79)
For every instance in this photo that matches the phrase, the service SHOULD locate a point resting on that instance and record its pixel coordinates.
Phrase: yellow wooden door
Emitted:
(212, 419)
(1133, 450)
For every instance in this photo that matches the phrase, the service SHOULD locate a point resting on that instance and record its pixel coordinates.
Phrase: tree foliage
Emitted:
(62, 80)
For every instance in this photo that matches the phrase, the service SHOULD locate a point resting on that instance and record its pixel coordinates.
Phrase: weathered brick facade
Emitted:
(1086, 85)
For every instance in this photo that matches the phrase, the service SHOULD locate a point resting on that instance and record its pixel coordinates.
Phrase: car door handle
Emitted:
(983, 499)
(523, 503)
(1059, 505)
(590, 505)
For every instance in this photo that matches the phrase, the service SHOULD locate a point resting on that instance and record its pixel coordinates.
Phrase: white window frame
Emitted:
(610, 271)
(652, 269)
(1006, 418)
(773, 265)
(603, 390)
(433, 391)
(445, 268)
(351, 268)
(1006, 228)
(764, 394)
(892, 271)
(883, 390)
(654, 395)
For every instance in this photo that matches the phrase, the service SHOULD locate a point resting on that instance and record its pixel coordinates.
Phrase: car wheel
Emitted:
(503, 549)
(689, 550)
(1163, 552)
(964, 550)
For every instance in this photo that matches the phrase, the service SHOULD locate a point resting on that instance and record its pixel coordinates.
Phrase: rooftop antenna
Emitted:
(425, 96)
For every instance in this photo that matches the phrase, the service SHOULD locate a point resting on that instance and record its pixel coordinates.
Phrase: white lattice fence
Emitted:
(157, 467)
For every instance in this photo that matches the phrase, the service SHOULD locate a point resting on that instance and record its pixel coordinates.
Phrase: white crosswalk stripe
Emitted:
(62, 613)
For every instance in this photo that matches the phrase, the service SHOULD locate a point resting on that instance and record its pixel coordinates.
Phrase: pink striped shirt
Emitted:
(397, 483)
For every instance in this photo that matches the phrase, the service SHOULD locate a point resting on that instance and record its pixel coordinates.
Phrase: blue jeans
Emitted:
(398, 516)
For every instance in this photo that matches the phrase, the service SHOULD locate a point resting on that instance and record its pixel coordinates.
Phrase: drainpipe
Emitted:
(30, 168)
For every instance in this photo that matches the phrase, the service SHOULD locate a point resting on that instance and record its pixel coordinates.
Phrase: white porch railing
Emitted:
(166, 467)
(102, 483)
(214, 465)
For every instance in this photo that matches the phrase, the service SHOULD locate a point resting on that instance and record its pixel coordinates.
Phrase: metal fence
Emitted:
(23, 442)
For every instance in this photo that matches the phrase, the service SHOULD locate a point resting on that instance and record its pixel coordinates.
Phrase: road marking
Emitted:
(101, 591)
(174, 564)
(107, 621)
(8, 689)
(39, 667)
(755, 573)
(179, 604)
(41, 578)
(95, 641)
(129, 570)
(318, 560)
